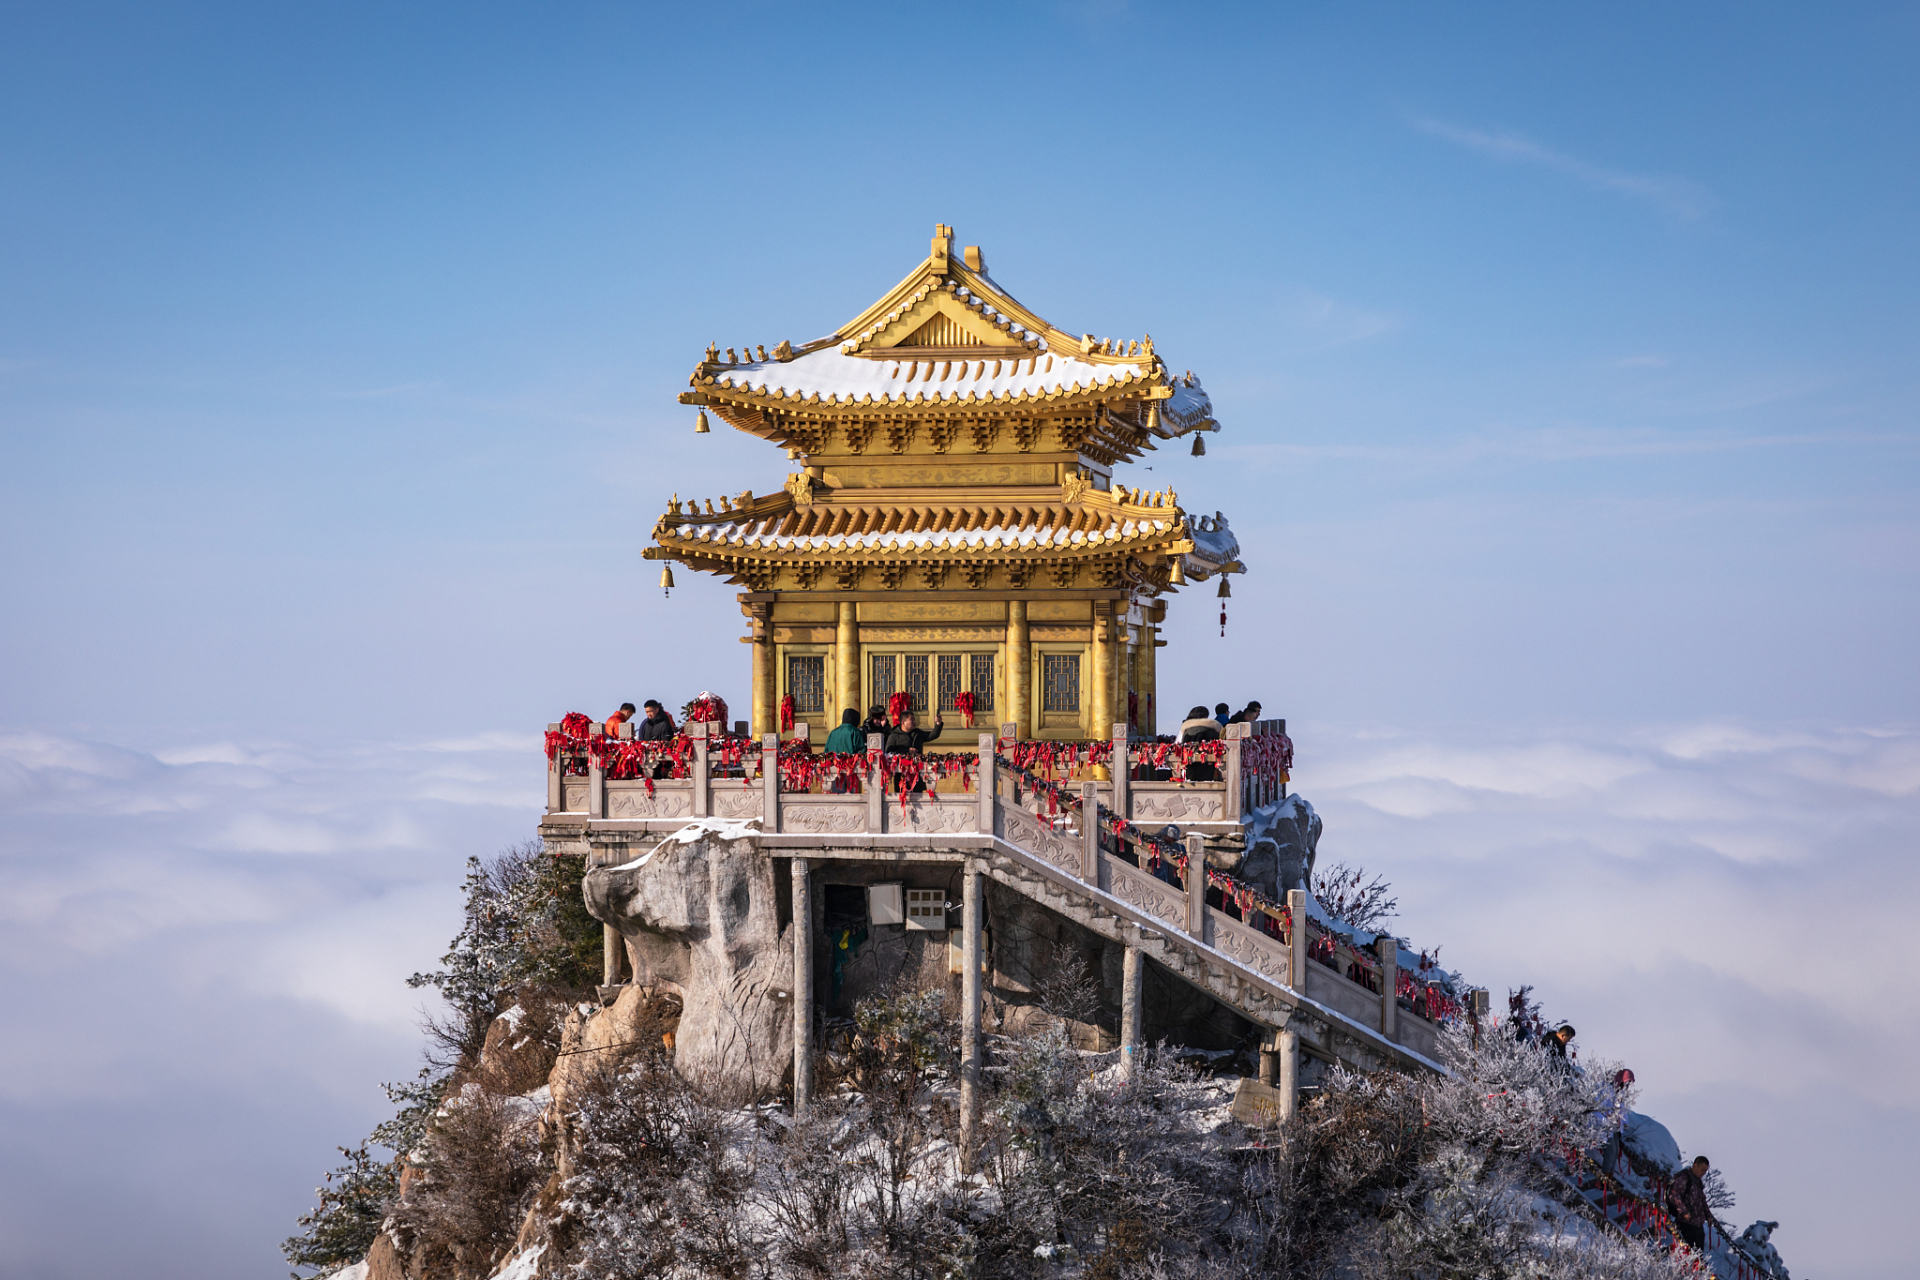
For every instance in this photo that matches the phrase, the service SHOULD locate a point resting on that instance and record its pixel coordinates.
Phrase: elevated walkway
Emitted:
(1067, 862)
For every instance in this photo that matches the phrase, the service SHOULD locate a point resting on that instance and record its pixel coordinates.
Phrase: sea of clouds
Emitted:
(205, 949)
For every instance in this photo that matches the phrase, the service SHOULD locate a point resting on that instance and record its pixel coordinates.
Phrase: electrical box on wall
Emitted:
(927, 909)
(883, 904)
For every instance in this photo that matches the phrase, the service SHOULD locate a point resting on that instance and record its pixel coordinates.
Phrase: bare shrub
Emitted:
(478, 1169)
(1349, 895)
(657, 1189)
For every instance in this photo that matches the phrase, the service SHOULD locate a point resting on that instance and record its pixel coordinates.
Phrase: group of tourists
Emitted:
(655, 726)
(1686, 1194)
(1199, 726)
(905, 738)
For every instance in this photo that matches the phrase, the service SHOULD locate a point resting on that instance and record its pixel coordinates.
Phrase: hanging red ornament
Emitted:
(786, 714)
(963, 703)
(899, 703)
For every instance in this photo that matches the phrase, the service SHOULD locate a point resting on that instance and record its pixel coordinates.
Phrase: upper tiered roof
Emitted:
(949, 341)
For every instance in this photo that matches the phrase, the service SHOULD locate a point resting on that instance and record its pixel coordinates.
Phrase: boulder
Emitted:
(709, 894)
(1281, 842)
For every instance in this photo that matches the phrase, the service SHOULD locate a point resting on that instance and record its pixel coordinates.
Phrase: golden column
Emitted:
(1019, 670)
(846, 664)
(1149, 685)
(1104, 627)
(766, 687)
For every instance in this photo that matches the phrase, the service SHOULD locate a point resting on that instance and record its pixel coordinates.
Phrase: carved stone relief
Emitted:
(932, 816)
(638, 804)
(1142, 891)
(573, 797)
(1192, 806)
(824, 819)
(729, 803)
(1265, 956)
(1021, 828)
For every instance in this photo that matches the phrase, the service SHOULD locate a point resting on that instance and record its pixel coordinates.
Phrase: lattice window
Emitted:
(807, 683)
(914, 680)
(947, 668)
(884, 666)
(1060, 682)
(982, 683)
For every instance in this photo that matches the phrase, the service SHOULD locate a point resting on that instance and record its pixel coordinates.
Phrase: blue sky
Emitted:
(1566, 361)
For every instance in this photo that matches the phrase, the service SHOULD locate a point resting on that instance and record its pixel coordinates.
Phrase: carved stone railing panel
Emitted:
(1145, 892)
(945, 817)
(1265, 955)
(1017, 826)
(823, 815)
(1350, 998)
(1176, 804)
(1417, 1034)
(573, 796)
(630, 800)
(731, 800)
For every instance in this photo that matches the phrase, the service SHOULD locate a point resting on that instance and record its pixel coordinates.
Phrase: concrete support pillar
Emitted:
(1121, 769)
(971, 912)
(802, 988)
(846, 664)
(1288, 1071)
(1269, 1063)
(613, 951)
(1133, 981)
(1104, 626)
(1019, 669)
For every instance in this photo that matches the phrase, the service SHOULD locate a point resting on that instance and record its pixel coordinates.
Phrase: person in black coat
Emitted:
(656, 725)
(1687, 1199)
(908, 740)
(876, 723)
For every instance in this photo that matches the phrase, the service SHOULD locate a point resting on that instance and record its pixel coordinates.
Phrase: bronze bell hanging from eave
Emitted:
(1199, 445)
(1226, 591)
(1178, 578)
(700, 427)
(666, 579)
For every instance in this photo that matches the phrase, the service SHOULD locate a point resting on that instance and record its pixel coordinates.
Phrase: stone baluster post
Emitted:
(770, 782)
(802, 988)
(971, 911)
(984, 783)
(1297, 908)
(1132, 985)
(702, 795)
(1388, 949)
(556, 786)
(1121, 739)
(596, 781)
(1090, 832)
(876, 785)
(1230, 770)
(1197, 887)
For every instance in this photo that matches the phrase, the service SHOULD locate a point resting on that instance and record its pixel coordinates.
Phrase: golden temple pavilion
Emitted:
(953, 530)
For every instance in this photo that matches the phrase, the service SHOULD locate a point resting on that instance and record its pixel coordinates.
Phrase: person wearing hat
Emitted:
(845, 738)
(877, 722)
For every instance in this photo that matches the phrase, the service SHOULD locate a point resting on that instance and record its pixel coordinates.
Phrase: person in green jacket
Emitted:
(846, 738)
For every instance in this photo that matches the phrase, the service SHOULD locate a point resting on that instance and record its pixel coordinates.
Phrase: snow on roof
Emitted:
(1026, 536)
(1213, 540)
(838, 378)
